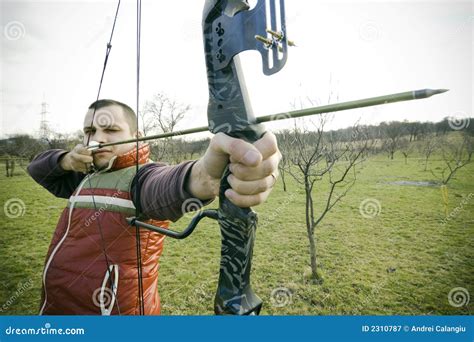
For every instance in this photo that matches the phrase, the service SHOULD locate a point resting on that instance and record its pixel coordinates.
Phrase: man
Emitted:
(91, 264)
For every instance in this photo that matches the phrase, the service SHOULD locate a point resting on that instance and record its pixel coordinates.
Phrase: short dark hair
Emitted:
(129, 112)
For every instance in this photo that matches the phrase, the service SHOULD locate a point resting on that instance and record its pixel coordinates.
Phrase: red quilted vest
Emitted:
(79, 278)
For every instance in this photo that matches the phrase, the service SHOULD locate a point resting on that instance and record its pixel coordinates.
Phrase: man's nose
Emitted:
(98, 136)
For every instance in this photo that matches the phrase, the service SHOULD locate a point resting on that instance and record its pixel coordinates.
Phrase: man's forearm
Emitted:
(45, 169)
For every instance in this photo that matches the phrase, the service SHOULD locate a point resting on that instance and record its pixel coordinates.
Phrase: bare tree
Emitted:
(317, 158)
(414, 130)
(469, 140)
(406, 147)
(22, 146)
(430, 145)
(392, 132)
(455, 156)
(57, 140)
(161, 115)
(285, 146)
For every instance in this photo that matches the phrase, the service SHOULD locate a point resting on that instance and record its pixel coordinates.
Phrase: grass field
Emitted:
(404, 260)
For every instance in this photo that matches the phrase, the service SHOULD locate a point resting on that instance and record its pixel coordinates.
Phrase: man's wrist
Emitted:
(63, 163)
(199, 184)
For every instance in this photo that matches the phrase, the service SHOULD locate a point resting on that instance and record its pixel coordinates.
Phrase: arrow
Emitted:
(336, 107)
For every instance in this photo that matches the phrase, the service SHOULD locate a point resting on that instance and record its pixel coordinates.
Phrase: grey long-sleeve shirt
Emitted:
(156, 181)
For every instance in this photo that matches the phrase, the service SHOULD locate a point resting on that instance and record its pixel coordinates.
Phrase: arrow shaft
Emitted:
(336, 107)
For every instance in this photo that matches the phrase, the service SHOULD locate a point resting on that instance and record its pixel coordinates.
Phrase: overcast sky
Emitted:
(54, 50)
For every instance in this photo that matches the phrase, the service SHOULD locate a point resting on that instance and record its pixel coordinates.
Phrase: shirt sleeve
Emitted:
(163, 190)
(47, 172)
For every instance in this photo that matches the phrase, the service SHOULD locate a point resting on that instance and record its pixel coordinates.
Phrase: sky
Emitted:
(53, 51)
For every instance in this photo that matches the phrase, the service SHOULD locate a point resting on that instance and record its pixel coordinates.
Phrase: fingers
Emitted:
(253, 167)
(238, 150)
(248, 154)
(267, 145)
(252, 187)
(249, 173)
(81, 149)
(246, 201)
(79, 159)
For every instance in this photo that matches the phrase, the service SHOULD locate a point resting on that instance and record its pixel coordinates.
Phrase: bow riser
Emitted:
(230, 28)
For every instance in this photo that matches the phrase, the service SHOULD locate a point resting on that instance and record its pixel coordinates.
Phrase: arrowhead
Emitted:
(431, 92)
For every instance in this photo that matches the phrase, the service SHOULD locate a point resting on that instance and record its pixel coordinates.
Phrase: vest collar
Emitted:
(129, 159)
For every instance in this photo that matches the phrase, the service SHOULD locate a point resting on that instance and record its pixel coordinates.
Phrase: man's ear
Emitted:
(138, 134)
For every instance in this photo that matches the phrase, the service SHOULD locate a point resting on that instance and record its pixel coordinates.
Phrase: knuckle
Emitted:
(232, 181)
(264, 185)
(270, 182)
(234, 145)
(257, 199)
(267, 169)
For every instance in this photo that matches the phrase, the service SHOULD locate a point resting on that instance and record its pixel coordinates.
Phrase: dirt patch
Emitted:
(414, 183)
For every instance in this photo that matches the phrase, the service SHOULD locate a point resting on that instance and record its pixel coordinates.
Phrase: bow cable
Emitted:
(104, 251)
(137, 184)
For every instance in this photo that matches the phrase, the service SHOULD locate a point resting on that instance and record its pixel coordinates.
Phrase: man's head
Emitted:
(109, 121)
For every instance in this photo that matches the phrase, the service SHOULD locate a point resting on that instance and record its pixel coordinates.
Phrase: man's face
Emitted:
(110, 125)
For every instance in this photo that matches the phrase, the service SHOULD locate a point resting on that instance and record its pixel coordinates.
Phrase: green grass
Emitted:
(403, 261)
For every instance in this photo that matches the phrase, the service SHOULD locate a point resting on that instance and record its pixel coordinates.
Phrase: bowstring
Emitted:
(137, 184)
(104, 251)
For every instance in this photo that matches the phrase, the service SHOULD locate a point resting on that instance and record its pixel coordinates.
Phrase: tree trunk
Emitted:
(312, 251)
(310, 230)
(282, 174)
